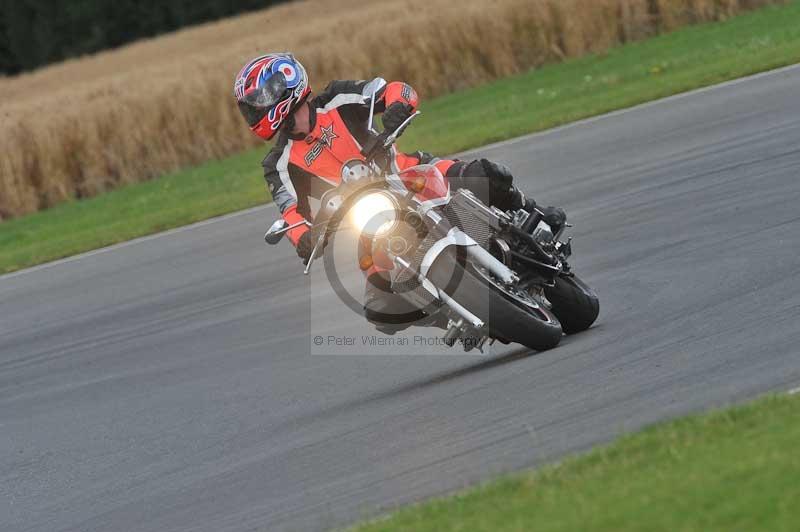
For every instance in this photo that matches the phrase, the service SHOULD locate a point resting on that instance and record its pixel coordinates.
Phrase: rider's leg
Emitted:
(493, 184)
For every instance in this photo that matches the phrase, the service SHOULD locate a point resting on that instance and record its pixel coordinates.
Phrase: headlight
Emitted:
(374, 214)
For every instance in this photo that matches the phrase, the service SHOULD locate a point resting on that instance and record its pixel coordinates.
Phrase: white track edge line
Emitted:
(499, 144)
(637, 107)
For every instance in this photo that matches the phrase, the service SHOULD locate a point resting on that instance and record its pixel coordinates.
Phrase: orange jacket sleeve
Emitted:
(292, 217)
(397, 91)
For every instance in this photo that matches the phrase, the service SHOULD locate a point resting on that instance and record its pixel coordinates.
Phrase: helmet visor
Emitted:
(256, 104)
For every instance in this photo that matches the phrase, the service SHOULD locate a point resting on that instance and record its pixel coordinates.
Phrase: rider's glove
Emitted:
(396, 114)
(305, 246)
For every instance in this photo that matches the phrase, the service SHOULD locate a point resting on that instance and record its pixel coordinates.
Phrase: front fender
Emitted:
(454, 237)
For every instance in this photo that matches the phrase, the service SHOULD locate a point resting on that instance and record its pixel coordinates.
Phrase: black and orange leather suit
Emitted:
(298, 168)
(301, 167)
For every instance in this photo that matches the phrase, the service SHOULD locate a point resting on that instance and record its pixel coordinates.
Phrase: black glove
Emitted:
(306, 245)
(396, 114)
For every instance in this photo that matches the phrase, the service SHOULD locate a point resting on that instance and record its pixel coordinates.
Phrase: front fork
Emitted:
(462, 321)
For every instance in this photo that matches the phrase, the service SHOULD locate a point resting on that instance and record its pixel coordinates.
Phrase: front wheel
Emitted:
(574, 302)
(509, 315)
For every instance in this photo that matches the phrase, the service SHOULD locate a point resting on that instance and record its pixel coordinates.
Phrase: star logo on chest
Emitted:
(327, 135)
(325, 141)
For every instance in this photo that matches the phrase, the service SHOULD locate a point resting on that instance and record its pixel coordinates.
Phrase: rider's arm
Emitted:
(292, 217)
(360, 93)
(397, 91)
(279, 182)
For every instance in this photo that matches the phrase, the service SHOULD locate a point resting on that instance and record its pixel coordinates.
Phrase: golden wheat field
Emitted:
(84, 126)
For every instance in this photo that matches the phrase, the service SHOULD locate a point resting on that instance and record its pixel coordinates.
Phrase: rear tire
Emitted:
(506, 317)
(574, 303)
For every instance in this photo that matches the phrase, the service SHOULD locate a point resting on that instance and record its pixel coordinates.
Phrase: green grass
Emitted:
(557, 94)
(136, 210)
(732, 470)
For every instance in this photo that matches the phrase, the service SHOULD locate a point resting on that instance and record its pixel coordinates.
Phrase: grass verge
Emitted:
(686, 59)
(729, 470)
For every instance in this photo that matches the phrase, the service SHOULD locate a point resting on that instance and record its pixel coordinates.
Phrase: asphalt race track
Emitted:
(168, 384)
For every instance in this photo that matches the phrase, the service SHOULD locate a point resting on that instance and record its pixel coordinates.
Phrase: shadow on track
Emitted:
(408, 388)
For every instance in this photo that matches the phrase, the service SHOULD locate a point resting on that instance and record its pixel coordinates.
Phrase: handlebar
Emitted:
(377, 144)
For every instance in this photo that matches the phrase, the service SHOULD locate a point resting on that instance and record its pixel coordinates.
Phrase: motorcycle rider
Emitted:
(319, 142)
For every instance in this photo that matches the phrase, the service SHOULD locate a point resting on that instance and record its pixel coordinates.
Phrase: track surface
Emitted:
(167, 384)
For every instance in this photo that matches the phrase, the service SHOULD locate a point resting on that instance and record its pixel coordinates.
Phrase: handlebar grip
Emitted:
(373, 145)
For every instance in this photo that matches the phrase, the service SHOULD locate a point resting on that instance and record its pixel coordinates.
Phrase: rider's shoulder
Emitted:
(356, 91)
(342, 86)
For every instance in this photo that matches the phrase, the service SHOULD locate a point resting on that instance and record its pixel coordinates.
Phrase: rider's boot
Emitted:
(555, 217)
(387, 311)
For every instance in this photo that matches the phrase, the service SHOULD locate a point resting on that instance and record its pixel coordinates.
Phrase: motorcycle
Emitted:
(480, 273)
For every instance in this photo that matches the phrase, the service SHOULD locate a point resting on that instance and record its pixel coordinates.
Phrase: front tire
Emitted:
(574, 303)
(507, 317)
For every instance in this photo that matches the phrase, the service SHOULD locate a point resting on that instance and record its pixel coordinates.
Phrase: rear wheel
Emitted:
(509, 313)
(574, 303)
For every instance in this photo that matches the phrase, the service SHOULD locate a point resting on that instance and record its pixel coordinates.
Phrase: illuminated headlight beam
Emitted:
(374, 214)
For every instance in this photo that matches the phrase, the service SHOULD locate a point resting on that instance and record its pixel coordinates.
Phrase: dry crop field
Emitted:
(84, 126)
